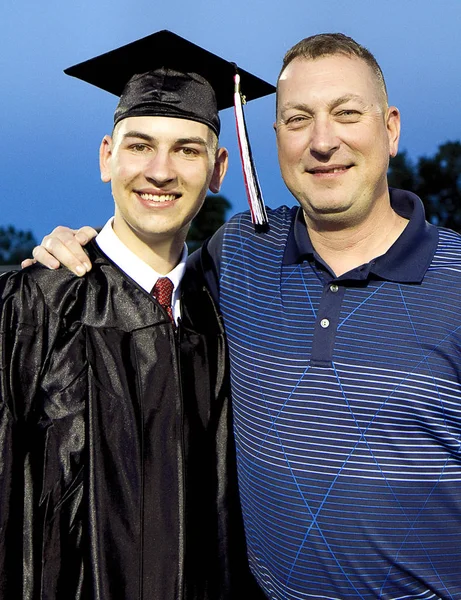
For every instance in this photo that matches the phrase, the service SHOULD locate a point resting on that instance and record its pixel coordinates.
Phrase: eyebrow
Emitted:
(192, 140)
(346, 98)
(148, 138)
(138, 134)
(333, 104)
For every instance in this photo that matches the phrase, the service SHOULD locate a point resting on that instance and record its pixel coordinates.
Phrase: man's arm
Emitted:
(63, 246)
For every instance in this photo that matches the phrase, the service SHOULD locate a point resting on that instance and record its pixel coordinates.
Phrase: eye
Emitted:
(349, 115)
(188, 151)
(297, 121)
(139, 148)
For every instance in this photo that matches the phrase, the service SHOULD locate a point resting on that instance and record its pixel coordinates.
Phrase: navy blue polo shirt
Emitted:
(405, 262)
(346, 395)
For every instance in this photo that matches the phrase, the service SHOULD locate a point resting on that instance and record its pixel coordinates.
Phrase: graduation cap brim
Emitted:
(111, 71)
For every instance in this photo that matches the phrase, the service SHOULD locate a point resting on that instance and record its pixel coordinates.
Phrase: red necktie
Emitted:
(163, 292)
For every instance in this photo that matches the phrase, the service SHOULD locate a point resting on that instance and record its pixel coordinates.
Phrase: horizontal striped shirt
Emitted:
(347, 409)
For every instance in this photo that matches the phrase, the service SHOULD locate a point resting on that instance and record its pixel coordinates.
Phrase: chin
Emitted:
(326, 209)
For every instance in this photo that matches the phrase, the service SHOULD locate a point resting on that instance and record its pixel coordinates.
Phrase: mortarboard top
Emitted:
(165, 64)
(164, 74)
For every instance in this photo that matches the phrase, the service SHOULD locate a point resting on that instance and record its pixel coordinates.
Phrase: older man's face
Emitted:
(335, 134)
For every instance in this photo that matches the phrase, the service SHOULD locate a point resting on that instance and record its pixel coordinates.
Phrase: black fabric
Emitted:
(168, 93)
(114, 484)
(164, 74)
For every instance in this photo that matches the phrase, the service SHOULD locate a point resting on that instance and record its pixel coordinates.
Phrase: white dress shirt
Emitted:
(137, 269)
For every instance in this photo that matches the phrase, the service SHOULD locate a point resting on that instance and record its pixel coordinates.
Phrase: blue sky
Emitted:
(51, 124)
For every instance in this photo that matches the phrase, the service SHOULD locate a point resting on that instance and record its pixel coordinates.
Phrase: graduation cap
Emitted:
(164, 74)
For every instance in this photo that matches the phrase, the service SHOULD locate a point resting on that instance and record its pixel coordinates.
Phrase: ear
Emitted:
(105, 154)
(219, 170)
(393, 129)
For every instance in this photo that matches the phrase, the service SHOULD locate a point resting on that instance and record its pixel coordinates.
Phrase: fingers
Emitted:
(41, 255)
(64, 247)
(85, 234)
(27, 263)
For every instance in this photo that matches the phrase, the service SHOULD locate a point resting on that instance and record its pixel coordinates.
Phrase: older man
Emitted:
(344, 335)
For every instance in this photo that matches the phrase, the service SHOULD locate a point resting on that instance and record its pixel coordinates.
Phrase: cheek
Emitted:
(377, 149)
(125, 167)
(369, 140)
(124, 172)
(291, 149)
(195, 175)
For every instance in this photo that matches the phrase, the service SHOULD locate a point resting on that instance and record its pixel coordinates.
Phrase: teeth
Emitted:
(156, 198)
(336, 170)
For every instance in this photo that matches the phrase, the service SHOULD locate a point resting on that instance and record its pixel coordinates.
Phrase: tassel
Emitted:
(253, 189)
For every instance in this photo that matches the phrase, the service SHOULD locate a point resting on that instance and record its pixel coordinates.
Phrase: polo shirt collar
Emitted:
(406, 261)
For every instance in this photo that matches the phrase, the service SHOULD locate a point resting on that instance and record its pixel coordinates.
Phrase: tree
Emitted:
(15, 245)
(402, 172)
(210, 218)
(436, 180)
(439, 184)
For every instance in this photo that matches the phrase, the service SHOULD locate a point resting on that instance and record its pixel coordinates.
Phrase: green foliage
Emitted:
(210, 218)
(15, 245)
(436, 180)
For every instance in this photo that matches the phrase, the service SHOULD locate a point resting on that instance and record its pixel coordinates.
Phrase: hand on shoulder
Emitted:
(64, 247)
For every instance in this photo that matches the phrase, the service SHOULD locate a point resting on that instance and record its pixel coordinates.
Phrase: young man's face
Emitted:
(335, 134)
(160, 169)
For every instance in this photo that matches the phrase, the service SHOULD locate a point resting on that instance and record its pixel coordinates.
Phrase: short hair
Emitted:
(328, 44)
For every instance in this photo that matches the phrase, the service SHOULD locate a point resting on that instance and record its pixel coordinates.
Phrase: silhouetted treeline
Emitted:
(436, 180)
(210, 218)
(15, 245)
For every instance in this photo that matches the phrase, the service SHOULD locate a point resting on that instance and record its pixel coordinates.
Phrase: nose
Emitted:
(324, 140)
(159, 170)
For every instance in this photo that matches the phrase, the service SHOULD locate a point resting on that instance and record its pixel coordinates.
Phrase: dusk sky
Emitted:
(52, 124)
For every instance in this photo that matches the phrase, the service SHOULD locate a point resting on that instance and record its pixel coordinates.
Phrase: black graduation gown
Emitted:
(117, 472)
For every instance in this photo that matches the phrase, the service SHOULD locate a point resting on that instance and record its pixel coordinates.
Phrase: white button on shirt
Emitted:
(136, 268)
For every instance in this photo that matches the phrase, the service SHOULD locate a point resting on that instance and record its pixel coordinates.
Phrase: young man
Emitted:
(117, 471)
(343, 328)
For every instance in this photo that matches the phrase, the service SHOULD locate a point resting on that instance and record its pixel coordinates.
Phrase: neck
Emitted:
(161, 252)
(347, 247)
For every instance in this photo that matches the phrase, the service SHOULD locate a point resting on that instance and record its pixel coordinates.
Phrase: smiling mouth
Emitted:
(329, 170)
(160, 198)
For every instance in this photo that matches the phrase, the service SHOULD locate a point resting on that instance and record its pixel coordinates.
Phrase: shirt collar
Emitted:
(133, 266)
(406, 261)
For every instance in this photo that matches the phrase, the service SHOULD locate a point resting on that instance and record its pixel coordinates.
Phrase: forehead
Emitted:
(163, 128)
(326, 78)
